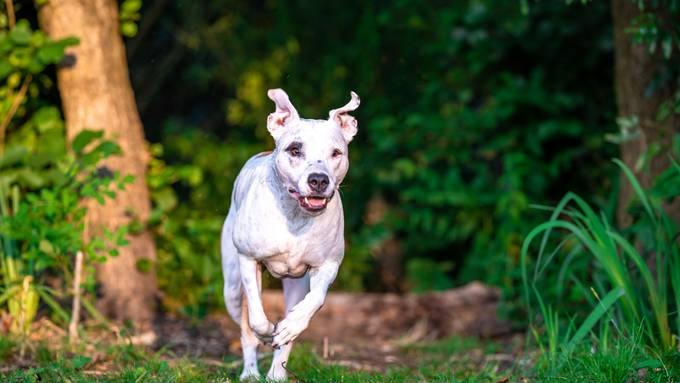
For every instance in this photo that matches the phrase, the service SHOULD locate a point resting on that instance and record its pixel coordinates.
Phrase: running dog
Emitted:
(286, 214)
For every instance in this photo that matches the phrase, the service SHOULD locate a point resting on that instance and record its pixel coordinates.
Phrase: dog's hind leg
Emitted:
(233, 290)
(235, 302)
(294, 291)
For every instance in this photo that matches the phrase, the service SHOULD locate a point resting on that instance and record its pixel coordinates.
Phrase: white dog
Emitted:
(286, 214)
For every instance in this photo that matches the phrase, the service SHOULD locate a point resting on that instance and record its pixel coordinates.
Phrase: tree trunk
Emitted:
(634, 70)
(96, 94)
(389, 254)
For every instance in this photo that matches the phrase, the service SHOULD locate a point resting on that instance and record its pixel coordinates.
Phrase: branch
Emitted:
(75, 309)
(12, 111)
(11, 17)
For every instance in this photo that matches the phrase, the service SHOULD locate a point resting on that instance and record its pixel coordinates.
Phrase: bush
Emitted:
(469, 113)
(42, 185)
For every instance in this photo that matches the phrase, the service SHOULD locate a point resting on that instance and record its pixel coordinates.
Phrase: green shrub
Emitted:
(42, 185)
(470, 112)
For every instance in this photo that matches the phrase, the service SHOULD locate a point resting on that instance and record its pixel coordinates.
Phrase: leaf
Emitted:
(107, 148)
(13, 155)
(131, 6)
(5, 68)
(51, 53)
(128, 29)
(46, 247)
(667, 47)
(144, 265)
(68, 41)
(30, 177)
(80, 361)
(84, 138)
(47, 118)
(54, 305)
(642, 196)
(21, 33)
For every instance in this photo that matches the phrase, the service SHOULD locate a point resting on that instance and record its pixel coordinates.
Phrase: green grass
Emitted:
(639, 294)
(452, 360)
(626, 360)
(443, 361)
(630, 280)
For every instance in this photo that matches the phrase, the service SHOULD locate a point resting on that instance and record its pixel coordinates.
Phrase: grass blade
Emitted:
(604, 305)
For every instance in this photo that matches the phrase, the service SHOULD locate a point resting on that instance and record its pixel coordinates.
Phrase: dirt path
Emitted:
(362, 331)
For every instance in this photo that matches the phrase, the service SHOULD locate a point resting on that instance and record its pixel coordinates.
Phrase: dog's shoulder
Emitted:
(263, 154)
(253, 173)
(257, 160)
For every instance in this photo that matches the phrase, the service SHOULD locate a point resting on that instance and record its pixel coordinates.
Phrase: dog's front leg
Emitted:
(298, 318)
(257, 319)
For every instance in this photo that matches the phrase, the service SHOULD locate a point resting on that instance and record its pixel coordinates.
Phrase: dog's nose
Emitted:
(318, 182)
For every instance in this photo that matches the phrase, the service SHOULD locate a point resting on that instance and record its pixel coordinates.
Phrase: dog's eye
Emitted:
(337, 153)
(294, 149)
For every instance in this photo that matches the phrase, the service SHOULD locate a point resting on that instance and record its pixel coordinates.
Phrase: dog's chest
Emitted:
(285, 265)
(287, 247)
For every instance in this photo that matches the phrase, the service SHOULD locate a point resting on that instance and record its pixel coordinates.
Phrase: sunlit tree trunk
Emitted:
(634, 70)
(96, 94)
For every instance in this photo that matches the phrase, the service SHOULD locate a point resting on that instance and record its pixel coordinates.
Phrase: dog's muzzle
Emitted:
(313, 203)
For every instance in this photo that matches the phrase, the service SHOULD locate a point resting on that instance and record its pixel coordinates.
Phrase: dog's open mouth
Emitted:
(313, 203)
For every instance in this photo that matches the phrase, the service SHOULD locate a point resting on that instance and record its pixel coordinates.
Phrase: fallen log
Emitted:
(468, 310)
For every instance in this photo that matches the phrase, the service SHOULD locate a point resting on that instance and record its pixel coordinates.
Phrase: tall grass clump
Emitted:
(631, 277)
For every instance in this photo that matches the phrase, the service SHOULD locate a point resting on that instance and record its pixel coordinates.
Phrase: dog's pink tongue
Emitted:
(316, 202)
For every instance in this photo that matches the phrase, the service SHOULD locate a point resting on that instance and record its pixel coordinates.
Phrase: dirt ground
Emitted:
(362, 331)
(366, 331)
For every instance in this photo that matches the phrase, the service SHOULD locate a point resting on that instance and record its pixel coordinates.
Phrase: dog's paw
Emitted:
(249, 376)
(288, 329)
(277, 374)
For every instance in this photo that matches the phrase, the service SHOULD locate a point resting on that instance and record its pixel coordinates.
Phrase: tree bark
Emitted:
(634, 70)
(95, 90)
(389, 254)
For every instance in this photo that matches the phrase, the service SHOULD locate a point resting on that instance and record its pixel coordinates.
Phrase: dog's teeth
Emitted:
(306, 201)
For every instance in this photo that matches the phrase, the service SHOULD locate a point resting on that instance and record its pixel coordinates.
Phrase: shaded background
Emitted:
(471, 112)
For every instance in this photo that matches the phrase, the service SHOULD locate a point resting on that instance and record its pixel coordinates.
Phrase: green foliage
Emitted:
(424, 274)
(129, 16)
(657, 28)
(624, 360)
(654, 26)
(43, 186)
(26, 51)
(470, 112)
(188, 233)
(42, 228)
(642, 268)
(133, 364)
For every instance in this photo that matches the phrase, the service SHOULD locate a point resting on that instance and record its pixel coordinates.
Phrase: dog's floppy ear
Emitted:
(347, 123)
(284, 115)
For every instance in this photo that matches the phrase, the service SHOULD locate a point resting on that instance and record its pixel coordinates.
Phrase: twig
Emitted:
(9, 4)
(53, 326)
(12, 110)
(297, 378)
(75, 310)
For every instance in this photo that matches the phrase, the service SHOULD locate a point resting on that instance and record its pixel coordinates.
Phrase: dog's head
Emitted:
(311, 155)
